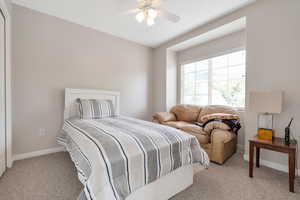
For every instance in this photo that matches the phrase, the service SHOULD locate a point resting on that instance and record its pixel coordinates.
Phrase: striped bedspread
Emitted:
(117, 155)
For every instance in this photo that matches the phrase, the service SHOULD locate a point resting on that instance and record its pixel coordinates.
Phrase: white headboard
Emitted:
(71, 95)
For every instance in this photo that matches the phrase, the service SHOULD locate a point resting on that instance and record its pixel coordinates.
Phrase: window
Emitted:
(219, 81)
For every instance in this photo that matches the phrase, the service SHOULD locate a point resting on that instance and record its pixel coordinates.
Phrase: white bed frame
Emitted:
(161, 189)
(71, 95)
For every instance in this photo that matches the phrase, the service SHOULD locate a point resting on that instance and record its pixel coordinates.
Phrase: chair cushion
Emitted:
(164, 116)
(185, 112)
(192, 129)
(203, 139)
(211, 109)
(176, 124)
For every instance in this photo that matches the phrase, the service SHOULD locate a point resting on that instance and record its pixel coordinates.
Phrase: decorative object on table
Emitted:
(265, 104)
(265, 134)
(287, 133)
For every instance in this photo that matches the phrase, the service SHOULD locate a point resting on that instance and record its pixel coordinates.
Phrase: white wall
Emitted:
(273, 42)
(159, 80)
(171, 74)
(273, 62)
(50, 54)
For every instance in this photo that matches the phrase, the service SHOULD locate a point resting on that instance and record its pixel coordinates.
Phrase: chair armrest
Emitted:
(216, 125)
(164, 117)
(221, 136)
(223, 145)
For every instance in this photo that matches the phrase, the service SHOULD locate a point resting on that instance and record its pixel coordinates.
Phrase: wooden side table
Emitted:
(276, 145)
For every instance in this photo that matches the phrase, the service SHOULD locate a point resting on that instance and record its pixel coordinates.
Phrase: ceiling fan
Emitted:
(149, 10)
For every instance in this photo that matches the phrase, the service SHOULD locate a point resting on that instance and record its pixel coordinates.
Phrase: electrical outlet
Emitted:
(42, 132)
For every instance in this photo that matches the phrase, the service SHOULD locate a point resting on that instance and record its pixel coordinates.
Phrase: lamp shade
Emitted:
(266, 102)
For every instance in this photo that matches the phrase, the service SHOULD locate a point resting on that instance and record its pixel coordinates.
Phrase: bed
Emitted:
(122, 158)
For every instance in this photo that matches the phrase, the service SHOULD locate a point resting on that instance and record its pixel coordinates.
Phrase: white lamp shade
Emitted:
(266, 102)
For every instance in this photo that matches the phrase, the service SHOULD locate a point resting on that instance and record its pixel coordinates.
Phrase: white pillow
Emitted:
(95, 108)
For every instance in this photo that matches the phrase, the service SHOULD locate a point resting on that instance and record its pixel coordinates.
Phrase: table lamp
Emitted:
(265, 104)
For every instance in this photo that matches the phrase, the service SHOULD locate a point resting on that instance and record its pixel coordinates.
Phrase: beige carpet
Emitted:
(53, 177)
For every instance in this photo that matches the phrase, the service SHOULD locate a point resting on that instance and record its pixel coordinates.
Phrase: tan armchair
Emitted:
(215, 138)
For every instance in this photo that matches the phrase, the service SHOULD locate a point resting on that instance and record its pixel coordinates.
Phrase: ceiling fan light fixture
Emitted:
(150, 21)
(149, 10)
(152, 13)
(140, 17)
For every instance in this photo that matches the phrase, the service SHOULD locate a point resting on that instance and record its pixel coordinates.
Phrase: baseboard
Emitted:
(273, 165)
(240, 148)
(37, 153)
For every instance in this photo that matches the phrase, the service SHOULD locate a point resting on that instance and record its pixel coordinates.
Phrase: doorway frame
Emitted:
(6, 11)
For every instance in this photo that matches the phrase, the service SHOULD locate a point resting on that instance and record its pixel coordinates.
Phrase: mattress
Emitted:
(116, 156)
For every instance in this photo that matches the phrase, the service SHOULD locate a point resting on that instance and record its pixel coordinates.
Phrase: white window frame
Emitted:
(180, 71)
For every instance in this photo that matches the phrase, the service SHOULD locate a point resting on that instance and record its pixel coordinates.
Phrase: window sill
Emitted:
(239, 109)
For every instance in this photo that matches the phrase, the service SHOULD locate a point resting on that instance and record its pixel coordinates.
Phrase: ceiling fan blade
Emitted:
(169, 16)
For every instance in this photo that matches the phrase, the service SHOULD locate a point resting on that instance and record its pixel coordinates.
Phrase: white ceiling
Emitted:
(105, 16)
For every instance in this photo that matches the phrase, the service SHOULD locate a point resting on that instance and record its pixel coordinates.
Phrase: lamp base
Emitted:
(265, 121)
(265, 134)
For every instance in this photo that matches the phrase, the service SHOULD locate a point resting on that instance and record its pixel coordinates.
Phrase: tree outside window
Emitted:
(218, 80)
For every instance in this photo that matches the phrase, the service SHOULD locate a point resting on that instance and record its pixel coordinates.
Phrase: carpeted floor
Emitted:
(53, 177)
